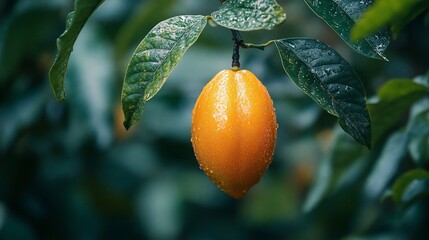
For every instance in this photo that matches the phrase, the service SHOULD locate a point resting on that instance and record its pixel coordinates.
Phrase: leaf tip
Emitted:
(127, 125)
(129, 121)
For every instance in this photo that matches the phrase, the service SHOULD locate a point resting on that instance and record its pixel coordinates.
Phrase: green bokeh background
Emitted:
(71, 171)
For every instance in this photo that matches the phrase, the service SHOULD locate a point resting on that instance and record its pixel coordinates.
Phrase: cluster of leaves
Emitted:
(394, 100)
(317, 69)
(393, 145)
(63, 166)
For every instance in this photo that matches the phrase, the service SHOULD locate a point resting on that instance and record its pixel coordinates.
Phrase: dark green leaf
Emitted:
(402, 183)
(15, 39)
(341, 16)
(418, 132)
(330, 81)
(344, 154)
(386, 166)
(398, 23)
(74, 24)
(384, 13)
(249, 15)
(154, 59)
(17, 115)
(394, 98)
(415, 192)
(92, 102)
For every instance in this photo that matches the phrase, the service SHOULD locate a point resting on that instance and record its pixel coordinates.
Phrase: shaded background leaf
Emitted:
(401, 184)
(15, 50)
(249, 15)
(334, 168)
(329, 80)
(386, 165)
(341, 16)
(418, 132)
(385, 13)
(154, 59)
(393, 99)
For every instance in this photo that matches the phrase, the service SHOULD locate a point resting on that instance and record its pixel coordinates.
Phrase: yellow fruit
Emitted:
(234, 131)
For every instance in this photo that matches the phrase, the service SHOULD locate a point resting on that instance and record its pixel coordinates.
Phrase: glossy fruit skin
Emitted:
(234, 131)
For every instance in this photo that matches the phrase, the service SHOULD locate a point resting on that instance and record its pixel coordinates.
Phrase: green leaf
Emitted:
(384, 13)
(418, 132)
(342, 15)
(15, 49)
(249, 15)
(398, 23)
(74, 24)
(330, 81)
(334, 168)
(154, 59)
(404, 181)
(394, 98)
(386, 165)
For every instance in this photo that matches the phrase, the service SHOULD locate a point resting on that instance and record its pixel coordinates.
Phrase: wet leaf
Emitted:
(384, 13)
(341, 16)
(74, 24)
(403, 182)
(394, 98)
(248, 15)
(154, 59)
(330, 81)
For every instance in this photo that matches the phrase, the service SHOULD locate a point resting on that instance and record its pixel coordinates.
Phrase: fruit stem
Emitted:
(236, 38)
(236, 51)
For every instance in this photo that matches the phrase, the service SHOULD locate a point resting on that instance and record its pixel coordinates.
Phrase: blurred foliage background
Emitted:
(71, 171)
